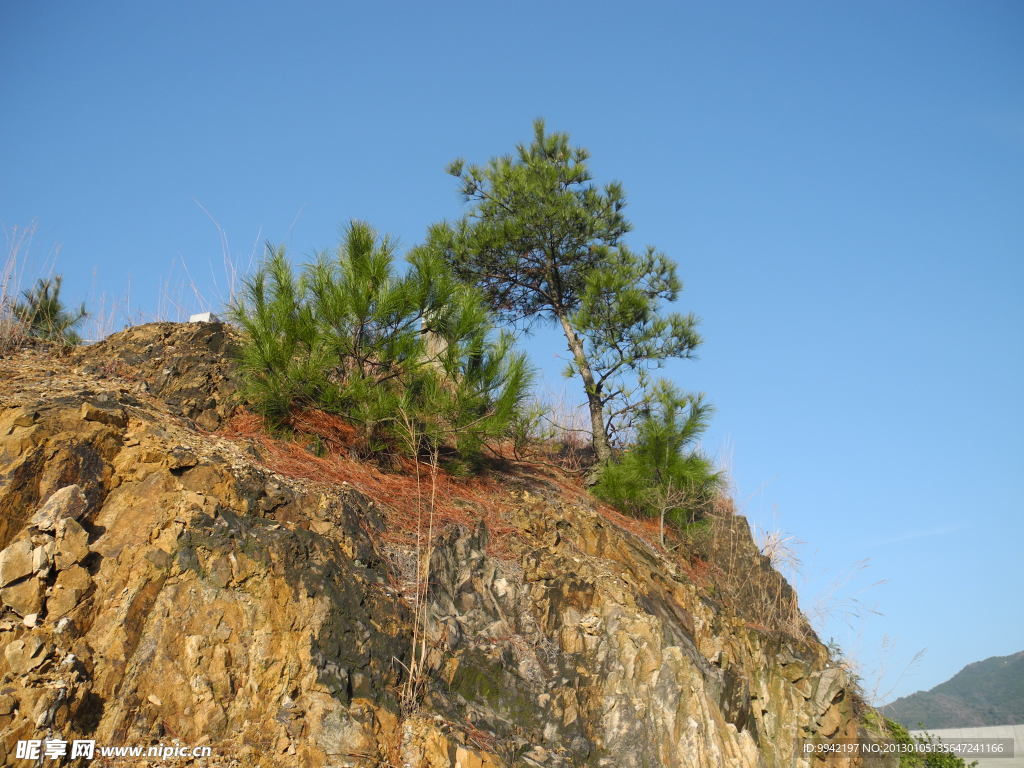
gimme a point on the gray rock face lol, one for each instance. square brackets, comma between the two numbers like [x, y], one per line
[610, 657]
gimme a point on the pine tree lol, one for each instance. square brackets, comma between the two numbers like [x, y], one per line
[45, 315]
[545, 243]
[413, 360]
[662, 475]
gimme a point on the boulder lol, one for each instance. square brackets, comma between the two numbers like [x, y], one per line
[71, 586]
[25, 654]
[69, 501]
[23, 598]
[15, 562]
[114, 417]
[42, 559]
[72, 543]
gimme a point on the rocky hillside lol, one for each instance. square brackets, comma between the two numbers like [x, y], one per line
[164, 582]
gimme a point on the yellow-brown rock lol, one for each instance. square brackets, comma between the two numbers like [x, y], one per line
[24, 597]
[67, 502]
[25, 654]
[16, 562]
[72, 544]
[68, 590]
[193, 595]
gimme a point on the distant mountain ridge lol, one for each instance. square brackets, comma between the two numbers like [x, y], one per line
[989, 692]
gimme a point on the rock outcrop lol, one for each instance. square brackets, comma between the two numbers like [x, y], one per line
[160, 584]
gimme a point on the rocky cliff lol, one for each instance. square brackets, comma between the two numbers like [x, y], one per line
[162, 583]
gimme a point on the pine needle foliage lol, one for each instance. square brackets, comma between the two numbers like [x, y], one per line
[45, 315]
[662, 475]
[545, 243]
[411, 360]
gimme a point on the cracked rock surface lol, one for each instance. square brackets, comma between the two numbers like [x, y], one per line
[159, 584]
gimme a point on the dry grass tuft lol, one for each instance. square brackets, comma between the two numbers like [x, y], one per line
[560, 436]
[781, 551]
[13, 333]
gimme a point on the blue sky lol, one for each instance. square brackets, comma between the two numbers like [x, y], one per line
[841, 184]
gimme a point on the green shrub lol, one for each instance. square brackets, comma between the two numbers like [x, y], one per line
[937, 759]
[661, 475]
[412, 361]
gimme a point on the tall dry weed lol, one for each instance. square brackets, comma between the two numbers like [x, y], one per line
[560, 433]
[18, 241]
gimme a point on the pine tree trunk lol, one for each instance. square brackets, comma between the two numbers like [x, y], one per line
[602, 447]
